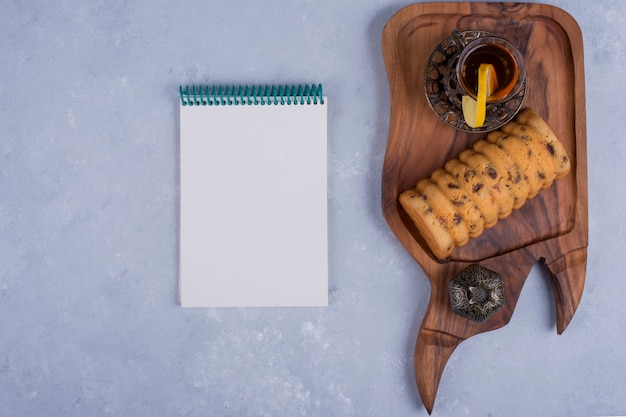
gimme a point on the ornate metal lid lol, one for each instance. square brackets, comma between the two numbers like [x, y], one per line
[476, 293]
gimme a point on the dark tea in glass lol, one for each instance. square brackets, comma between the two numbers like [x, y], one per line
[507, 63]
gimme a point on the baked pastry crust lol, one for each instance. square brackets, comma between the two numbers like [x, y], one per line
[486, 183]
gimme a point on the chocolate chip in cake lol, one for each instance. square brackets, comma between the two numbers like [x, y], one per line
[470, 173]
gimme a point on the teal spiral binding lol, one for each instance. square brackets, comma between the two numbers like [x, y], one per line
[251, 95]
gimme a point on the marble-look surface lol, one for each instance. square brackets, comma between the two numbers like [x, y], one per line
[89, 320]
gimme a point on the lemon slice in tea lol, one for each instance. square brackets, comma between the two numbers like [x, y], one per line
[475, 111]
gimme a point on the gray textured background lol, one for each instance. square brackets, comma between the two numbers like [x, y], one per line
[89, 321]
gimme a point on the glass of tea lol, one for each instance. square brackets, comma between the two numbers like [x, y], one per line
[507, 62]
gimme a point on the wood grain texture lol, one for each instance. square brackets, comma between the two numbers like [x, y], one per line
[552, 227]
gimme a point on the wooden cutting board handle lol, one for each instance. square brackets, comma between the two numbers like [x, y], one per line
[442, 330]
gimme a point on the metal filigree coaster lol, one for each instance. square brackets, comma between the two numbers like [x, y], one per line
[444, 94]
[476, 293]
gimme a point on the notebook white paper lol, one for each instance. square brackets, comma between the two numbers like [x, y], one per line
[253, 199]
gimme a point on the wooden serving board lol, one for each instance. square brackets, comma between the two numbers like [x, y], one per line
[551, 227]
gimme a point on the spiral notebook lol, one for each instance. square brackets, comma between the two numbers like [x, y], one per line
[253, 196]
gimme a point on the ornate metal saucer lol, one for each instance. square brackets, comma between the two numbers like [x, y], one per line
[444, 94]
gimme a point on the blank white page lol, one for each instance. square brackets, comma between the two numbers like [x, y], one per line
[253, 205]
